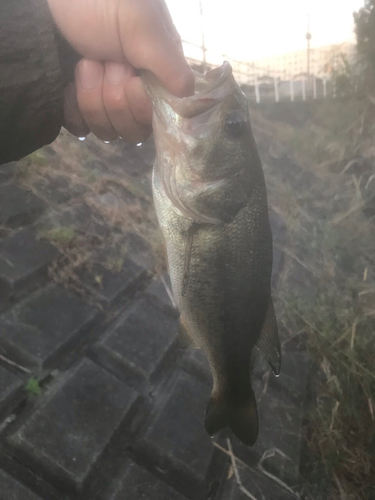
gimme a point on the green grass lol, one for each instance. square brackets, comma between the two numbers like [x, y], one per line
[32, 387]
[61, 235]
[33, 161]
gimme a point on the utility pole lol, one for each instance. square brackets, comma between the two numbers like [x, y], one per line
[291, 89]
[276, 87]
[308, 38]
[203, 42]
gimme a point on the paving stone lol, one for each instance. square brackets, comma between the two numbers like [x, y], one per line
[49, 151]
[258, 485]
[195, 362]
[142, 339]
[280, 425]
[18, 207]
[125, 246]
[140, 251]
[295, 364]
[279, 236]
[279, 441]
[136, 159]
[111, 286]
[98, 167]
[114, 197]
[177, 435]
[11, 489]
[139, 484]
[303, 283]
[295, 367]
[10, 387]
[7, 171]
[74, 424]
[44, 326]
[24, 262]
[79, 216]
[55, 189]
[158, 292]
[128, 161]
[147, 152]
[282, 466]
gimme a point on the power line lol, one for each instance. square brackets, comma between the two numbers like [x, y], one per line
[203, 43]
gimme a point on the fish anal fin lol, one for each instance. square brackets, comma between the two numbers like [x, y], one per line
[184, 339]
[240, 416]
[269, 342]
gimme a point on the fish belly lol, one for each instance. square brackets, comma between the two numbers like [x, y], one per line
[226, 298]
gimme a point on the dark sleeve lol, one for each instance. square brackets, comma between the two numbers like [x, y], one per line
[35, 65]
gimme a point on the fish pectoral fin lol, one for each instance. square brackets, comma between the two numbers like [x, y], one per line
[184, 340]
[240, 416]
[269, 342]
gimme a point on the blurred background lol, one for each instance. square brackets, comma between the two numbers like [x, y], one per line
[253, 31]
[296, 46]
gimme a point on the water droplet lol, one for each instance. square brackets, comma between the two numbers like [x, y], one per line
[139, 144]
[81, 138]
[106, 142]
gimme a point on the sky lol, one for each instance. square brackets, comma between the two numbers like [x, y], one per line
[252, 29]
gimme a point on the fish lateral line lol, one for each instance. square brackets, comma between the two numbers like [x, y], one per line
[189, 246]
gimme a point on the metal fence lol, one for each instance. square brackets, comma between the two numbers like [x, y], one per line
[263, 84]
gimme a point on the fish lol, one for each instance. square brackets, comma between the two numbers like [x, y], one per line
[211, 203]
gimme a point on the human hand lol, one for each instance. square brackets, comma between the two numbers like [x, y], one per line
[116, 38]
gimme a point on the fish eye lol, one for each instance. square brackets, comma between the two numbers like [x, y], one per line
[234, 124]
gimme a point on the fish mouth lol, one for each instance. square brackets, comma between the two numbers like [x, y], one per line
[210, 90]
[176, 120]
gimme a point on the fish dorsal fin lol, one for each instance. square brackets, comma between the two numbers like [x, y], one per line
[269, 342]
[184, 340]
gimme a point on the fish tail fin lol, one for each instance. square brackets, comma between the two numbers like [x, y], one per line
[240, 416]
[244, 420]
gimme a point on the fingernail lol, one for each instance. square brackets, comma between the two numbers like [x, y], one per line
[90, 74]
[115, 73]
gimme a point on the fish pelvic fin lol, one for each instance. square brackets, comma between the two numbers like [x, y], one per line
[240, 416]
[269, 342]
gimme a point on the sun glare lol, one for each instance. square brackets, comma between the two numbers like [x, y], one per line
[253, 29]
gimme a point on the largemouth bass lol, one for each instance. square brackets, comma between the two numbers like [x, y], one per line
[211, 203]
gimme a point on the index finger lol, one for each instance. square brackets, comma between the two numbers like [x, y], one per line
[147, 44]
